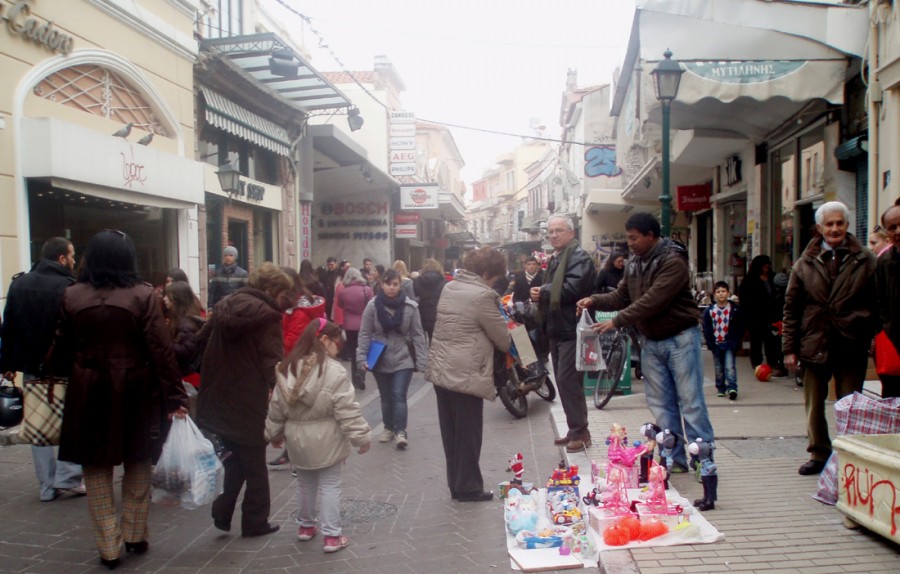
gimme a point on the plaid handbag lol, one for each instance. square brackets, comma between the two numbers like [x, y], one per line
[45, 397]
[44, 400]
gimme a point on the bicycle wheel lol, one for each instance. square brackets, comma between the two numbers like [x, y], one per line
[546, 391]
[515, 403]
[608, 379]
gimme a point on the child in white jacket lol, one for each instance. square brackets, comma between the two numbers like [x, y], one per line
[313, 409]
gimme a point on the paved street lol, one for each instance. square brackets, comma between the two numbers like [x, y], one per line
[401, 519]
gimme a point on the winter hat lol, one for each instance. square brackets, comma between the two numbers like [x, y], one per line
[780, 280]
[230, 250]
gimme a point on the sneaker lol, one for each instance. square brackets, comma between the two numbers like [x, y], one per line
[720, 394]
[401, 440]
[79, 490]
[305, 533]
[386, 436]
[732, 394]
[678, 469]
[335, 543]
[281, 462]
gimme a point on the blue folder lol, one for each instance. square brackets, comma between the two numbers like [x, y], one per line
[376, 348]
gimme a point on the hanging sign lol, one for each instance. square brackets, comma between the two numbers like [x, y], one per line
[693, 197]
[406, 230]
[419, 196]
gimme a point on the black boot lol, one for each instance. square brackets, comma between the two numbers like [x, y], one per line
[710, 486]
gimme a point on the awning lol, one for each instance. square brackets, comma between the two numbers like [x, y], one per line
[235, 119]
[308, 90]
[340, 164]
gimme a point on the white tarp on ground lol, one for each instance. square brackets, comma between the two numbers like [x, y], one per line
[702, 532]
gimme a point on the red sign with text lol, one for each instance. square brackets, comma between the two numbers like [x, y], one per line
[693, 197]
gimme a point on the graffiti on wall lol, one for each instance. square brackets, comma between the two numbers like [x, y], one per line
[601, 160]
[861, 485]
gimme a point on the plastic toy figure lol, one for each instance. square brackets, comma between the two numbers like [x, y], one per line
[615, 499]
[656, 493]
[708, 476]
[666, 442]
[517, 468]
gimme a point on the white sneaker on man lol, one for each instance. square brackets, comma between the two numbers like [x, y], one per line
[401, 440]
[386, 436]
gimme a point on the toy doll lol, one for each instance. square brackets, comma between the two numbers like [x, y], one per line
[703, 451]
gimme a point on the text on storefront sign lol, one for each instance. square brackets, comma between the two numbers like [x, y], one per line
[20, 22]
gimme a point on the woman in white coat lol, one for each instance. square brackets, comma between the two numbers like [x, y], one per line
[468, 331]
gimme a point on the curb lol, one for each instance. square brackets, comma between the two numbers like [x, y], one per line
[9, 436]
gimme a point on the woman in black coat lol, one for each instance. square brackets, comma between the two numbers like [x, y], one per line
[758, 298]
[124, 378]
[611, 274]
[428, 287]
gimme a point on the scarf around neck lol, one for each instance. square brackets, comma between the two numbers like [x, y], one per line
[388, 321]
[559, 276]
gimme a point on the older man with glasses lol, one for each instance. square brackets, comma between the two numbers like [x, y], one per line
[570, 276]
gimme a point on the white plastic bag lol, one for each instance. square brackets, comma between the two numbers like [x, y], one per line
[587, 350]
[188, 473]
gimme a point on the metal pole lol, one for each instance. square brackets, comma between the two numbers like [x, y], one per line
[665, 198]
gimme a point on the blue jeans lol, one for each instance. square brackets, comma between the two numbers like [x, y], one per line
[673, 383]
[393, 388]
[726, 374]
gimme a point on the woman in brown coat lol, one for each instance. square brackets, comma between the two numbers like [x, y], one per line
[244, 343]
[123, 380]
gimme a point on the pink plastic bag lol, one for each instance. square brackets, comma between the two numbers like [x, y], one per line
[857, 414]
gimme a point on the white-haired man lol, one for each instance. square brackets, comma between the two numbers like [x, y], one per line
[829, 320]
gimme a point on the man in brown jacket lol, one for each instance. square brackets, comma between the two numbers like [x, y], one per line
[829, 321]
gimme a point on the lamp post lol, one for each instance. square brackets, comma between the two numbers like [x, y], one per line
[229, 178]
[666, 77]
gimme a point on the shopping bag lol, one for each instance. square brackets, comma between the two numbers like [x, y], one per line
[43, 413]
[188, 473]
[587, 345]
[523, 344]
[857, 414]
[887, 360]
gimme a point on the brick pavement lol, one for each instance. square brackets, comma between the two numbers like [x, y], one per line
[765, 509]
[401, 520]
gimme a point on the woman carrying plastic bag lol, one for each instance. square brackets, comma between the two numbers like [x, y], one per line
[188, 474]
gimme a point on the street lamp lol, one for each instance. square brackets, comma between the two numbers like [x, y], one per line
[666, 77]
[229, 178]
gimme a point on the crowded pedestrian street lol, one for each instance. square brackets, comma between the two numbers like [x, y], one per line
[398, 513]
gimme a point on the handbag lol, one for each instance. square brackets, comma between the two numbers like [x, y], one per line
[887, 360]
[45, 398]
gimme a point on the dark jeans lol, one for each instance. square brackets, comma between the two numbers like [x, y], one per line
[570, 383]
[393, 388]
[461, 418]
[246, 464]
[761, 338]
[349, 354]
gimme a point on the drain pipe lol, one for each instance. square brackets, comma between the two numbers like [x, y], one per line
[874, 98]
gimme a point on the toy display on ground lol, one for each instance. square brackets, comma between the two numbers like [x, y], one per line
[570, 521]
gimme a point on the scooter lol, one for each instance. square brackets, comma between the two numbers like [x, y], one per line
[513, 380]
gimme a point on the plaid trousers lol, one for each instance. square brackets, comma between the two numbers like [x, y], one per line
[108, 533]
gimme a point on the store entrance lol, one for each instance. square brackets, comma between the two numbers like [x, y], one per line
[55, 212]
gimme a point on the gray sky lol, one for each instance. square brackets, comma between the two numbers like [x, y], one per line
[490, 64]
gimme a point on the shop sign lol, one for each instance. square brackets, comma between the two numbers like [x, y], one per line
[403, 169]
[418, 197]
[305, 230]
[403, 156]
[19, 22]
[353, 220]
[401, 117]
[249, 191]
[403, 143]
[442, 243]
[743, 72]
[693, 197]
[403, 130]
[406, 230]
[407, 218]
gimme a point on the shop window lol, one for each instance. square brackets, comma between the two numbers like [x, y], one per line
[263, 235]
[55, 212]
[218, 147]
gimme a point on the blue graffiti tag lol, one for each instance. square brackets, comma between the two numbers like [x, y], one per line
[601, 160]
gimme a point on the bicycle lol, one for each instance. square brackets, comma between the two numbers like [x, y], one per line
[615, 354]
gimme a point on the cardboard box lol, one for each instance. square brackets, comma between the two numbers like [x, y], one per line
[869, 478]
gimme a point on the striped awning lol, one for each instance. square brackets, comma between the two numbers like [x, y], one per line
[235, 119]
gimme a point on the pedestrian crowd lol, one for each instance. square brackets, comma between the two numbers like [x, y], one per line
[262, 363]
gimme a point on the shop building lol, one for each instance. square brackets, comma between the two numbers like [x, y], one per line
[769, 95]
[97, 130]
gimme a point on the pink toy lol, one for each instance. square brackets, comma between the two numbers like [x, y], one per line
[656, 489]
[615, 499]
